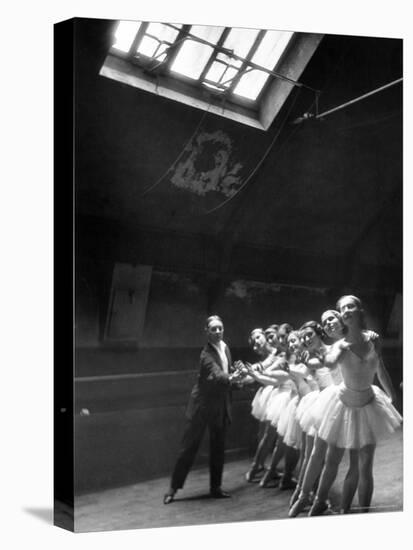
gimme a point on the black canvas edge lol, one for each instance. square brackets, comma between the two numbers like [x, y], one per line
[63, 355]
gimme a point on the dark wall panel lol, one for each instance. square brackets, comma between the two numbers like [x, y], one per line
[127, 445]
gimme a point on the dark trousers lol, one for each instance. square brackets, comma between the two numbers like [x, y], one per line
[194, 432]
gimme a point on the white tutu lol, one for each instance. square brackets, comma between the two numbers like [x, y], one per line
[303, 414]
[285, 414]
[277, 403]
[352, 419]
[259, 403]
[288, 425]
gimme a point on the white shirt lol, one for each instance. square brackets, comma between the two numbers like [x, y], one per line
[220, 347]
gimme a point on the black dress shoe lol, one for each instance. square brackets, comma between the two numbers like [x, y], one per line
[168, 497]
[219, 493]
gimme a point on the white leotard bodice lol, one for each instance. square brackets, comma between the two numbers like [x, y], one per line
[358, 372]
[323, 377]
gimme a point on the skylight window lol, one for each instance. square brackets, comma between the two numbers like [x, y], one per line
[157, 39]
[267, 55]
[125, 34]
[240, 40]
[243, 74]
[271, 48]
[194, 55]
[215, 56]
[251, 84]
[226, 67]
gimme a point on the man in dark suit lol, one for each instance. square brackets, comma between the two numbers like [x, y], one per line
[209, 406]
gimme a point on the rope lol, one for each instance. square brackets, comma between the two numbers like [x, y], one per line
[226, 201]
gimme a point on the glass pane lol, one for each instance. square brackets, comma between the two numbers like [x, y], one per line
[210, 34]
[193, 55]
[163, 32]
[251, 84]
[124, 34]
[215, 71]
[148, 46]
[192, 58]
[271, 48]
[241, 40]
[227, 77]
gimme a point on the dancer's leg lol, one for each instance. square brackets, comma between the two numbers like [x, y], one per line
[265, 446]
[328, 475]
[314, 465]
[366, 482]
[350, 482]
[302, 466]
[312, 471]
[291, 460]
[277, 455]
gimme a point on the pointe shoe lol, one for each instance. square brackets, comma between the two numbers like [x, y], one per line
[318, 508]
[169, 497]
[295, 495]
[219, 493]
[253, 473]
[270, 479]
[299, 506]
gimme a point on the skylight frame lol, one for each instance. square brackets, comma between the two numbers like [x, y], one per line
[156, 77]
[136, 57]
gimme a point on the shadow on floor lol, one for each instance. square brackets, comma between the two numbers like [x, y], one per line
[44, 514]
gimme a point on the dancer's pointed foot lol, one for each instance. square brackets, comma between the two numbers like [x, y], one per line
[318, 508]
[299, 506]
[295, 495]
[253, 475]
[270, 479]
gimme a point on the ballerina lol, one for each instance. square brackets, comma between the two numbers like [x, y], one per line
[271, 334]
[318, 378]
[355, 414]
[289, 431]
[282, 336]
[334, 328]
[267, 433]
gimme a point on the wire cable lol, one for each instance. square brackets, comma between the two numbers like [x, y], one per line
[253, 172]
[355, 100]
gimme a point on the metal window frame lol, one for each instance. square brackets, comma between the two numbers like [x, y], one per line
[156, 77]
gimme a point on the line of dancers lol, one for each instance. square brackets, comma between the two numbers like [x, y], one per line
[316, 399]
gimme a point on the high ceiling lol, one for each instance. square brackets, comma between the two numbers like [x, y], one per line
[327, 190]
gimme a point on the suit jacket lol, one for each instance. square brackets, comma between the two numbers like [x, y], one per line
[211, 393]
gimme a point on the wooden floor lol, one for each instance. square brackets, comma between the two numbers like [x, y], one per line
[140, 505]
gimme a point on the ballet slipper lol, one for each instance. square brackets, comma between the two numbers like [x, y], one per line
[270, 480]
[295, 495]
[251, 475]
[299, 506]
[318, 508]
